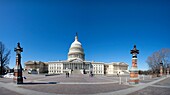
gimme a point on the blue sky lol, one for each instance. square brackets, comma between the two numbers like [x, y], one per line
[107, 29]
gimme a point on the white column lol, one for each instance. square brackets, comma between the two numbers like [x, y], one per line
[73, 65]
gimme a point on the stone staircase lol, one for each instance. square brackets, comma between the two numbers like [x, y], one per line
[76, 72]
[126, 72]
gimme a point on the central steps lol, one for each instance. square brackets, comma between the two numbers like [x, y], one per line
[76, 72]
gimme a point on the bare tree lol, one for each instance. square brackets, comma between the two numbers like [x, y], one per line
[4, 57]
[154, 60]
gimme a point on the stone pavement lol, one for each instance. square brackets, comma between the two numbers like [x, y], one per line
[100, 87]
[77, 88]
[165, 82]
[159, 88]
[134, 89]
[4, 91]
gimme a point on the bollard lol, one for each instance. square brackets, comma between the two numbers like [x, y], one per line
[119, 80]
[126, 80]
[143, 77]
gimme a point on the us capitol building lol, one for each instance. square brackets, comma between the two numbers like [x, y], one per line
[76, 64]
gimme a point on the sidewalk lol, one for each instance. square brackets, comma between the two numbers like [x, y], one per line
[133, 89]
[15, 88]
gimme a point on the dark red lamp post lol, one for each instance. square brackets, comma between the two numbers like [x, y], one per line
[18, 68]
[134, 69]
[161, 68]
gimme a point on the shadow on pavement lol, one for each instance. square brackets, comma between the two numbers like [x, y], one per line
[34, 83]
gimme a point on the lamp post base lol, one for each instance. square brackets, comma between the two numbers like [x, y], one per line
[133, 82]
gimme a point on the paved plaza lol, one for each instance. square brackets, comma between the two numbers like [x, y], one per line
[83, 84]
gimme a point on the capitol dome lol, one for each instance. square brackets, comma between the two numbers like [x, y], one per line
[76, 51]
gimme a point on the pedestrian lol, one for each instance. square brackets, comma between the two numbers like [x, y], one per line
[117, 75]
[91, 74]
[68, 75]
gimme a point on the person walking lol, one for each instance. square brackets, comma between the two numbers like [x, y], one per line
[117, 75]
[66, 74]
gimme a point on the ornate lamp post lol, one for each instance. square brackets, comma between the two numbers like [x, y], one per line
[18, 68]
[134, 70]
[161, 68]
